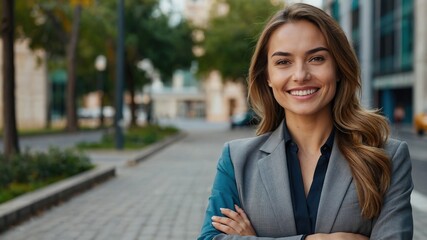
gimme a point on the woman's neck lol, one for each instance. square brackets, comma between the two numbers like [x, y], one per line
[309, 132]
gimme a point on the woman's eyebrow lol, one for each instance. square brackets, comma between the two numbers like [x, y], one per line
[311, 51]
[315, 50]
[279, 53]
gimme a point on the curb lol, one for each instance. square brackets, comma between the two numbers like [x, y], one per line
[152, 149]
[27, 205]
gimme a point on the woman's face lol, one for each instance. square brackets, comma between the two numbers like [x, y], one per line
[301, 70]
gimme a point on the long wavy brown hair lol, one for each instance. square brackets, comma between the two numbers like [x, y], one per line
[361, 134]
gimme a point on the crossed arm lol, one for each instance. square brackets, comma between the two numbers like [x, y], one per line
[237, 223]
[226, 220]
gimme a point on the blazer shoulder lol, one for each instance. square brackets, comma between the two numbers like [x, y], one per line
[394, 146]
[243, 144]
[240, 149]
[398, 152]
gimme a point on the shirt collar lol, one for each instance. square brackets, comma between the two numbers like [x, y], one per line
[286, 135]
[327, 146]
[329, 142]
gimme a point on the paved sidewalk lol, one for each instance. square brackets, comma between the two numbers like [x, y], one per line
[420, 224]
[163, 197]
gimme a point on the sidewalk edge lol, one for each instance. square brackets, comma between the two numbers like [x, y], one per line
[150, 150]
[21, 208]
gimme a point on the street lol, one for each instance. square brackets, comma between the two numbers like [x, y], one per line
[165, 196]
[418, 150]
[59, 140]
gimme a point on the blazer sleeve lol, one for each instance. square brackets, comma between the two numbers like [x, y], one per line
[395, 220]
[224, 195]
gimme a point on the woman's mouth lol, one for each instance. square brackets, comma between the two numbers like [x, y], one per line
[304, 92]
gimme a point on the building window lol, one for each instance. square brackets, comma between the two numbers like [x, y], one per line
[355, 25]
[393, 36]
[387, 7]
[385, 53]
[407, 36]
[335, 10]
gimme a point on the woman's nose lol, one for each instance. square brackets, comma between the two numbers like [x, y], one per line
[301, 73]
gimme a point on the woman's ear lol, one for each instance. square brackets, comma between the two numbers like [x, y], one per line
[269, 83]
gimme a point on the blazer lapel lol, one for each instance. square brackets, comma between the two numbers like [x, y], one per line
[337, 181]
[274, 175]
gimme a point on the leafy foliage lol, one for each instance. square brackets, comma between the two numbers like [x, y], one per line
[149, 34]
[230, 39]
[46, 23]
[29, 171]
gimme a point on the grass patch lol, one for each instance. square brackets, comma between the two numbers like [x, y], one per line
[134, 137]
[30, 171]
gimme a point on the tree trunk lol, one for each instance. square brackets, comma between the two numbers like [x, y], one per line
[101, 98]
[72, 124]
[131, 87]
[10, 134]
[49, 104]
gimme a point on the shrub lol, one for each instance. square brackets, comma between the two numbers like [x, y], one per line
[28, 171]
[134, 137]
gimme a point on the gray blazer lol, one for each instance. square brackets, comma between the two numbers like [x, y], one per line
[263, 186]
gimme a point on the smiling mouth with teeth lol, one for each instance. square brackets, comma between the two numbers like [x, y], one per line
[303, 92]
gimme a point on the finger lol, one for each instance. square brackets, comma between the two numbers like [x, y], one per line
[231, 214]
[227, 222]
[243, 215]
[223, 228]
[224, 220]
[241, 212]
[242, 228]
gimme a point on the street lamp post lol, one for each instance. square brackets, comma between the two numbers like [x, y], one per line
[100, 65]
[118, 118]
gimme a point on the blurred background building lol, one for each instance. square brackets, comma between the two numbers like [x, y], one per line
[212, 97]
[184, 99]
[32, 92]
[390, 40]
[222, 98]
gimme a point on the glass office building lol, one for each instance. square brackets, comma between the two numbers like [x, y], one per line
[384, 36]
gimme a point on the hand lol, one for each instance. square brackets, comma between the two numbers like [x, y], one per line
[235, 223]
[336, 236]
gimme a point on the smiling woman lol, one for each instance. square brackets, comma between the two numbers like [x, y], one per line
[322, 167]
[302, 73]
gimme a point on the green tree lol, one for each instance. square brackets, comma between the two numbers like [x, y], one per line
[53, 25]
[230, 38]
[10, 135]
[71, 55]
[150, 35]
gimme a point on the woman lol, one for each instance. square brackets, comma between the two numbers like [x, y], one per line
[321, 167]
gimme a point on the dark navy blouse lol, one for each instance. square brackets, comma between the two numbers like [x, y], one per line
[305, 208]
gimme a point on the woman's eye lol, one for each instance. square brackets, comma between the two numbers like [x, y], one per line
[282, 62]
[317, 59]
